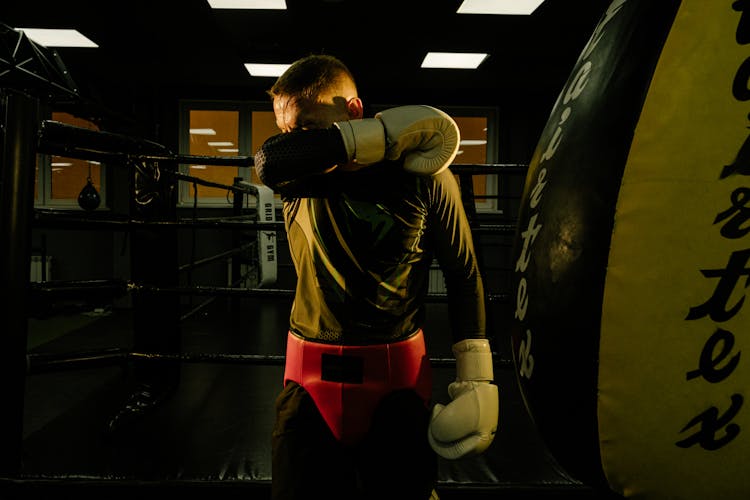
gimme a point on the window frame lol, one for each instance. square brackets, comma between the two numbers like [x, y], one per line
[43, 178]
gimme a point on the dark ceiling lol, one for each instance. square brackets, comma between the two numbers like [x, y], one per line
[184, 49]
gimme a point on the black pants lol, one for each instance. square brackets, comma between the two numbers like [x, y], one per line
[394, 461]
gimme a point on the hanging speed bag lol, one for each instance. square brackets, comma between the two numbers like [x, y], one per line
[631, 336]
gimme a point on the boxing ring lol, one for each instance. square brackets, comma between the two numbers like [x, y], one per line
[221, 357]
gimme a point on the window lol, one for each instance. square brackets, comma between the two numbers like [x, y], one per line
[478, 146]
[59, 180]
[214, 128]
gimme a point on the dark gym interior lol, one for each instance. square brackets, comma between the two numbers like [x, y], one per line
[72, 343]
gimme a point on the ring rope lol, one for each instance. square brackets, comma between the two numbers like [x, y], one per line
[46, 362]
[119, 287]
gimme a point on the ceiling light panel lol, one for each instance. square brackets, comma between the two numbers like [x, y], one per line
[499, 7]
[58, 37]
[453, 60]
[248, 4]
[262, 69]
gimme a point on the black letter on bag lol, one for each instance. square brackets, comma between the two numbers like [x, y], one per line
[715, 306]
[739, 85]
[710, 424]
[707, 364]
[738, 215]
[741, 164]
[743, 27]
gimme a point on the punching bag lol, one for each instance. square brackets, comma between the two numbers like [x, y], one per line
[631, 330]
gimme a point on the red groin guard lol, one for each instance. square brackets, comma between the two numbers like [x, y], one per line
[348, 381]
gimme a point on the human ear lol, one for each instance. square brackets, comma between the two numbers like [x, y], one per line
[355, 108]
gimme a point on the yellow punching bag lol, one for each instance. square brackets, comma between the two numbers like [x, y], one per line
[631, 337]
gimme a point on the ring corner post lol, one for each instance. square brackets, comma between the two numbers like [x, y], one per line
[19, 115]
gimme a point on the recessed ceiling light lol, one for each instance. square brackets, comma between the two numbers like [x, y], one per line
[260, 69]
[248, 4]
[454, 60]
[58, 37]
[502, 7]
[228, 150]
[220, 143]
[472, 142]
[202, 131]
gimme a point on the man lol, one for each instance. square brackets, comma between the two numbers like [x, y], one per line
[368, 204]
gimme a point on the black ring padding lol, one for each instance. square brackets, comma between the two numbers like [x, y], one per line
[489, 168]
[76, 142]
[68, 140]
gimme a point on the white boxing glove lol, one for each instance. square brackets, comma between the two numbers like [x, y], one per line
[467, 425]
[428, 137]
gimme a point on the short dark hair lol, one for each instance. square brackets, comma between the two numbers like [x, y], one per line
[309, 76]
